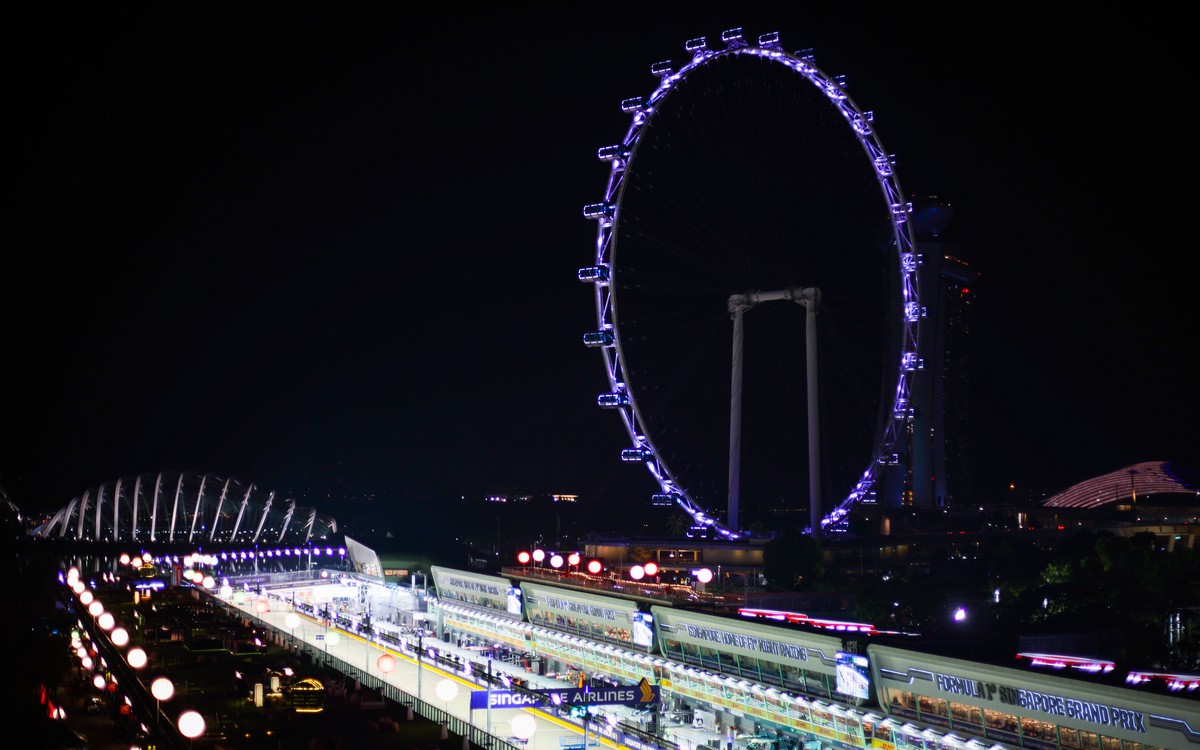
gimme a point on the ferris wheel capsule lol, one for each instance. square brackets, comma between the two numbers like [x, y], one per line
[612, 400]
[732, 36]
[613, 153]
[599, 211]
[636, 455]
[663, 68]
[598, 338]
[769, 40]
[594, 273]
[633, 104]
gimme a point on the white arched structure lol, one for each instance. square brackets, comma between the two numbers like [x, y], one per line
[198, 510]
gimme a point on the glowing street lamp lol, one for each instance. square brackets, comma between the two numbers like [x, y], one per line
[162, 689]
[191, 724]
[386, 663]
[292, 621]
[119, 637]
[136, 657]
[523, 726]
[447, 690]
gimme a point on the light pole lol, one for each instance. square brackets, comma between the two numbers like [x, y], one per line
[292, 620]
[420, 636]
[162, 689]
[191, 725]
[447, 689]
[489, 702]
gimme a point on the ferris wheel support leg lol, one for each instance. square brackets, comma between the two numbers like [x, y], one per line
[735, 421]
[814, 443]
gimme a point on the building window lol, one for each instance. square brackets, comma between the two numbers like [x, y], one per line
[793, 677]
[966, 717]
[1068, 738]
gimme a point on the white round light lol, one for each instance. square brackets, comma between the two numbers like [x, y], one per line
[523, 726]
[556, 561]
[386, 663]
[704, 575]
[86, 598]
[86, 662]
[95, 608]
[119, 636]
[124, 558]
[136, 658]
[191, 724]
[539, 555]
[447, 690]
[162, 689]
[332, 638]
[98, 681]
[106, 621]
[208, 582]
[637, 572]
[292, 620]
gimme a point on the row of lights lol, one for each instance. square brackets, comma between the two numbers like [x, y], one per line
[127, 559]
[556, 560]
[595, 567]
[190, 723]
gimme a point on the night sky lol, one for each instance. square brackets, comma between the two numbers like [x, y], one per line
[336, 251]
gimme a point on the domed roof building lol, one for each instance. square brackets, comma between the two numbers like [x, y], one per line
[185, 507]
[1131, 483]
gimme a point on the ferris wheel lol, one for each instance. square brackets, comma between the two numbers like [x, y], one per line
[756, 289]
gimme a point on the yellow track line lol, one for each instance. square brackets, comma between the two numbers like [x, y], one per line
[425, 665]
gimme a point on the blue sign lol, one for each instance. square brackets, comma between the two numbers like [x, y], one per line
[640, 695]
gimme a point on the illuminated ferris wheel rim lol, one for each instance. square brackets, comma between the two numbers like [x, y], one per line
[606, 336]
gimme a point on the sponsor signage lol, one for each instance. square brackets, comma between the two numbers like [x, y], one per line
[1047, 703]
[640, 695]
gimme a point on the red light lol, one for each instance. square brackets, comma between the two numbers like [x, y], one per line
[965, 290]
[651, 568]
[523, 557]
[594, 567]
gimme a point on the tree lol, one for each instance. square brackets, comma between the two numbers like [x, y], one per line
[794, 561]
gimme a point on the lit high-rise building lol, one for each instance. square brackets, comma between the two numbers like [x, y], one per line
[940, 469]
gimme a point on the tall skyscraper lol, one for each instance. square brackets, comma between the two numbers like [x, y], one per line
[940, 469]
